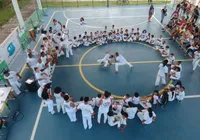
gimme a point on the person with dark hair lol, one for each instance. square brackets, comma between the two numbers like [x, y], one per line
[104, 105]
[131, 110]
[127, 98]
[12, 79]
[106, 60]
[31, 61]
[151, 13]
[163, 100]
[111, 119]
[175, 74]
[180, 94]
[162, 73]
[154, 98]
[57, 26]
[46, 96]
[123, 121]
[70, 108]
[196, 59]
[163, 13]
[59, 99]
[67, 45]
[171, 94]
[87, 113]
[147, 116]
[136, 98]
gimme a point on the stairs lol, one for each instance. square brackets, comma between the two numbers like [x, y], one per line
[6, 29]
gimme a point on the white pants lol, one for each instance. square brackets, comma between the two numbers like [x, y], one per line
[158, 79]
[16, 86]
[121, 64]
[87, 122]
[72, 116]
[59, 106]
[69, 51]
[103, 61]
[195, 63]
[99, 116]
[49, 103]
[115, 123]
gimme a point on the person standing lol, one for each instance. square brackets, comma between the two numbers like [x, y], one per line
[162, 73]
[59, 99]
[11, 78]
[104, 105]
[151, 12]
[163, 13]
[87, 113]
[196, 59]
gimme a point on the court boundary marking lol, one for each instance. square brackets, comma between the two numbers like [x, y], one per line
[99, 90]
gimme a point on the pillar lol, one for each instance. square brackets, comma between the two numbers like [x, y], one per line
[18, 13]
[39, 4]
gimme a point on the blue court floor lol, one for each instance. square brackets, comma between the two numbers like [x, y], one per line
[82, 76]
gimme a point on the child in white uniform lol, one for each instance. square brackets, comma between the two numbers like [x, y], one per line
[120, 61]
[104, 105]
[136, 98]
[111, 119]
[59, 99]
[131, 110]
[180, 94]
[87, 113]
[106, 60]
[162, 72]
[171, 59]
[165, 52]
[46, 96]
[155, 97]
[70, 108]
[175, 74]
[147, 116]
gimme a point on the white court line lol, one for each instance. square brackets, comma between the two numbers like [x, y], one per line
[88, 10]
[111, 17]
[186, 97]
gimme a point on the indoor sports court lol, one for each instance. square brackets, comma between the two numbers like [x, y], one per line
[81, 75]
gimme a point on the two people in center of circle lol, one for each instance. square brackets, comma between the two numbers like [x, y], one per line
[119, 59]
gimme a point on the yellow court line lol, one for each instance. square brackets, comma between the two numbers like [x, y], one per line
[36, 45]
[136, 62]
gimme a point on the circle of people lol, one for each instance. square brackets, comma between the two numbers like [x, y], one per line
[56, 41]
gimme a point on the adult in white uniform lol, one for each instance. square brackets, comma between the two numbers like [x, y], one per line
[31, 61]
[162, 73]
[87, 113]
[39, 76]
[12, 80]
[70, 108]
[147, 116]
[196, 59]
[120, 61]
[67, 45]
[57, 26]
[180, 94]
[104, 105]
[106, 60]
[59, 99]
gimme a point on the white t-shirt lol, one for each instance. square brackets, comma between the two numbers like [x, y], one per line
[32, 61]
[136, 100]
[12, 78]
[68, 107]
[57, 27]
[170, 98]
[181, 95]
[131, 112]
[196, 55]
[120, 59]
[40, 66]
[111, 120]
[127, 100]
[86, 109]
[155, 99]
[106, 57]
[104, 107]
[59, 98]
[40, 90]
[162, 70]
[97, 101]
[147, 119]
